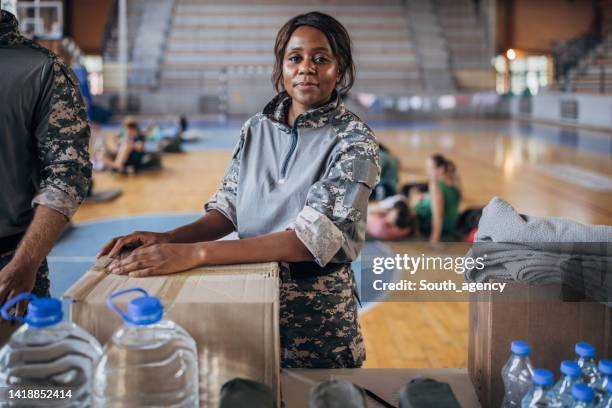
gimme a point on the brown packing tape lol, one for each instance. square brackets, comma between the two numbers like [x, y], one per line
[90, 281]
[83, 287]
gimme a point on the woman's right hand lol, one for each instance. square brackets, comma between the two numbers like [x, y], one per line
[132, 241]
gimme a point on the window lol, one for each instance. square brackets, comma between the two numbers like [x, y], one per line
[41, 19]
[523, 74]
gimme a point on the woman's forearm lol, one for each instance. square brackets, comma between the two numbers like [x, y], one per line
[276, 247]
[212, 226]
[437, 212]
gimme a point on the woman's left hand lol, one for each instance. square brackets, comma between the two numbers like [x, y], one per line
[159, 259]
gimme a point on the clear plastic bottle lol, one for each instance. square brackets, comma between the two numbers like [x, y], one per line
[586, 360]
[539, 393]
[606, 402]
[47, 354]
[583, 396]
[605, 377]
[148, 361]
[517, 374]
[561, 393]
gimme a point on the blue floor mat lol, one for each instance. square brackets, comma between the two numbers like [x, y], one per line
[218, 135]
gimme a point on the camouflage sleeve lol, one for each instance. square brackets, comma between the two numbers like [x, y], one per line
[62, 137]
[224, 199]
[332, 223]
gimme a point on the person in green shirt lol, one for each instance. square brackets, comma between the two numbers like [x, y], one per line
[389, 174]
[437, 211]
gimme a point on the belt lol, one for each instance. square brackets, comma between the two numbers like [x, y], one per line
[10, 243]
[301, 270]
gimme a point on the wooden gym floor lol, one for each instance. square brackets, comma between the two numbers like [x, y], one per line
[401, 334]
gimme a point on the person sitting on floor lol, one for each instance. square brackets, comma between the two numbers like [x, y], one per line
[130, 153]
[437, 211]
[173, 144]
[388, 224]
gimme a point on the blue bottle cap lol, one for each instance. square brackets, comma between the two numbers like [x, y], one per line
[570, 368]
[520, 348]
[605, 367]
[145, 310]
[542, 376]
[585, 349]
[582, 393]
[44, 312]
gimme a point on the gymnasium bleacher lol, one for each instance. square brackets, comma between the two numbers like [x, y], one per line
[593, 74]
[223, 51]
[463, 29]
[206, 41]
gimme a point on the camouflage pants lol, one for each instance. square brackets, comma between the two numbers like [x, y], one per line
[318, 321]
[41, 285]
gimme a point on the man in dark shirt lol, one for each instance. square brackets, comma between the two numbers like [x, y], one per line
[44, 160]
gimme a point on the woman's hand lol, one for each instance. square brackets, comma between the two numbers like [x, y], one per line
[159, 259]
[134, 240]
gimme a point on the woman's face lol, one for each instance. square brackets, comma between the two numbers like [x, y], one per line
[310, 70]
[431, 169]
[391, 216]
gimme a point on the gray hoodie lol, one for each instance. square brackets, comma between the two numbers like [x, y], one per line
[314, 178]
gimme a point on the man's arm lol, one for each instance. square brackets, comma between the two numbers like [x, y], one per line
[61, 134]
[62, 141]
[19, 275]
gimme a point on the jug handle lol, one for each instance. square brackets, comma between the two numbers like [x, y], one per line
[112, 306]
[8, 305]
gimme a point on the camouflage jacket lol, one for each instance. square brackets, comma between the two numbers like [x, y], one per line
[314, 178]
[44, 134]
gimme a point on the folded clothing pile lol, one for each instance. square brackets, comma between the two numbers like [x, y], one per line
[542, 250]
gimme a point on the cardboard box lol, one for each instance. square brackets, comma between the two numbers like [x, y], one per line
[232, 313]
[537, 315]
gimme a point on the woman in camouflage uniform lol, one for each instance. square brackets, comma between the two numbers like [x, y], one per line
[296, 192]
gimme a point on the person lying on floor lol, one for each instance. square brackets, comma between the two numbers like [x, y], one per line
[387, 224]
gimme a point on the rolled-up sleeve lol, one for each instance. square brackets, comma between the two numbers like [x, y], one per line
[332, 223]
[224, 199]
[62, 138]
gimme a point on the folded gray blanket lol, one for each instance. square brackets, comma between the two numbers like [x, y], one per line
[500, 222]
[542, 250]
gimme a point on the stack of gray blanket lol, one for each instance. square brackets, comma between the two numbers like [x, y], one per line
[540, 250]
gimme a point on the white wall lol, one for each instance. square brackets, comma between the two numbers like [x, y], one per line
[593, 110]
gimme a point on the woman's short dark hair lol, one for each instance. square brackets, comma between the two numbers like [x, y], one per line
[338, 38]
[439, 160]
[403, 219]
[446, 164]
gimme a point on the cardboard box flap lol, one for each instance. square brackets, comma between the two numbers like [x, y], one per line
[211, 284]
